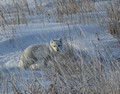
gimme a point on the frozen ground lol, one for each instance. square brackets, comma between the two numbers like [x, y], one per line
[35, 33]
[10, 50]
[85, 38]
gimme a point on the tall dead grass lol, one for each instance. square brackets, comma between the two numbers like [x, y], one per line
[73, 72]
[112, 20]
[19, 12]
[71, 10]
[65, 11]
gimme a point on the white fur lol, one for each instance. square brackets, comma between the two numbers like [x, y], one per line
[41, 53]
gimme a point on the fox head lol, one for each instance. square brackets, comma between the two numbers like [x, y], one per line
[56, 45]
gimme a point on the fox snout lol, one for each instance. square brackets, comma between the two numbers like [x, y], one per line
[56, 45]
[57, 49]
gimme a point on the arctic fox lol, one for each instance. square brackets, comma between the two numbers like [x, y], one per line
[40, 53]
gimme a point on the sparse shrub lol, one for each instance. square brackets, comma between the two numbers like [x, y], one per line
[74, 76]
[112, 21]
[113, 12]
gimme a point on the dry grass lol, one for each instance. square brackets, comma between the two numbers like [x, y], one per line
[83, 74]
[80, 11]
[73, 73]
[112, 21]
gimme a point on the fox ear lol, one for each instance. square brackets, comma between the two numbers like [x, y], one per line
[52, 41]
[60, 39]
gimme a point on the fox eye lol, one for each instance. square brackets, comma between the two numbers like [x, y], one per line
[54, 46]
[58, 45]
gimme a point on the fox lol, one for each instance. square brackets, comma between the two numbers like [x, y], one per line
[40, 53]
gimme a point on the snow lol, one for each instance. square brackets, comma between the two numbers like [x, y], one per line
[36, 32]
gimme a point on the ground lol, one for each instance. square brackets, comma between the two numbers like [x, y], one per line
[86, 37]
